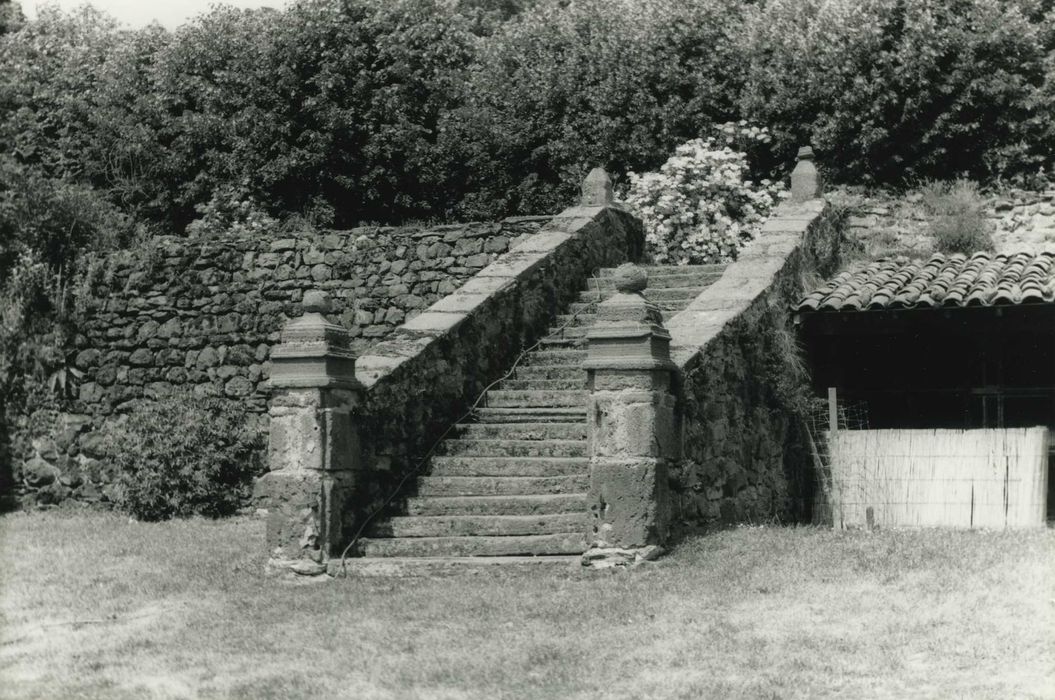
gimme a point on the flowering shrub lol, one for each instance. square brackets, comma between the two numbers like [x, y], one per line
[230, 212]
[700, 207]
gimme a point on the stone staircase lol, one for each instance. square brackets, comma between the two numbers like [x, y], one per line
[513, 483]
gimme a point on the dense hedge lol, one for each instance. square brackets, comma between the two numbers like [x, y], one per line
[343, 111]
[895, 89]
[564, 87]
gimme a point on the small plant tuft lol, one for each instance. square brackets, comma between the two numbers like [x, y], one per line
[188, 455]
[958, 219]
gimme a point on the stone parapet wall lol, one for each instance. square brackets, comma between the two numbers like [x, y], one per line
[425, 375]
[740, 440]
[891, 224]
[201, 315]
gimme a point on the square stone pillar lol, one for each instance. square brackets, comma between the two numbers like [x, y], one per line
[313, 446]
[632, 438]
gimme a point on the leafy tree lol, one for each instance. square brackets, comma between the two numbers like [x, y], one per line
[329, 108]
[69, 89]
[889, 89]
[11, 17]
[566, 86]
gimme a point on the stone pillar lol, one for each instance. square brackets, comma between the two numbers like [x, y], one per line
[597, 189]
[632, 426]
[313, 447]
[805, 180]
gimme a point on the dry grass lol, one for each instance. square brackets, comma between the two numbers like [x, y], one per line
[94, 606]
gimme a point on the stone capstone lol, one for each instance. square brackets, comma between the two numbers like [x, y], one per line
[597, 189]
[805, 180]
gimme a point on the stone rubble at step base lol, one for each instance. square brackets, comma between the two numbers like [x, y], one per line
[603, 557]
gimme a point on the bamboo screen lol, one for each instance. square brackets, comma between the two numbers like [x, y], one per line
[993, 478]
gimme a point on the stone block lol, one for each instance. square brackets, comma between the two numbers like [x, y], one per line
[515, 264]
[629, 502]
[141, 358]
[432, 321]
[632, 423]
[544, 242]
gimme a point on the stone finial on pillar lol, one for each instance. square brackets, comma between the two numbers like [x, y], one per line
[805, 180]
[313, 446]
[597, 189]
[631, 420]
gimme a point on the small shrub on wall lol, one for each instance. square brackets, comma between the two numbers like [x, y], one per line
[701, 207]
[187, 455]
[959, 223]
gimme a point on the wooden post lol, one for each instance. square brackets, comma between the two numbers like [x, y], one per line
[833, 410]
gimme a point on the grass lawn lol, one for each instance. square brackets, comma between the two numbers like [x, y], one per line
[92, 605]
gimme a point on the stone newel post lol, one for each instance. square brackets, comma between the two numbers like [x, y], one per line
[313, 447]
[597, 189]
[805, 180]
[632, 430]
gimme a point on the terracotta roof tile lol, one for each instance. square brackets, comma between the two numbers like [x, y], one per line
[983, 279]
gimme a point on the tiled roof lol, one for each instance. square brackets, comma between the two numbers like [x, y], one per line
[983, 279]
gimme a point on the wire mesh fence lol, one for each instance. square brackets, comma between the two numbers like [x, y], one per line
[986, 478]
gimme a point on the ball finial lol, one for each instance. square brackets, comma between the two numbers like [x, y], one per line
[630, 279]
[316, 302]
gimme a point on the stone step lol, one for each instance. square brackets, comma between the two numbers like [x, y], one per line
[481, 486]
[569, 342]
[395, 567]
[539, 399]
[571, 458]
[569, 332]
[571, 414]
[663, 270]
[554, 357]
[666, 294]
[576, 320]
[661, 281]
[479, 525]
[534, 504]
[667, 306]
[520, 431]
[530, 371]
[575, 384]
[560, 543]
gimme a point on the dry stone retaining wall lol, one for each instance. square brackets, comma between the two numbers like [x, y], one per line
[202, 315]
[742, 457]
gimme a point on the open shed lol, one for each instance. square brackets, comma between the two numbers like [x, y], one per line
[953, 342]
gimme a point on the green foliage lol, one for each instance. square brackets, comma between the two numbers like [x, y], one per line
[891, 89]
[567, 86]
[958, 217]
[70, 95]
[54, 219]
[185, 456]
[341, 111]
[328, 104]
[11, 17]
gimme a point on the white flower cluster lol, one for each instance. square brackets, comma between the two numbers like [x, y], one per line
[232, 213]
[699, 208]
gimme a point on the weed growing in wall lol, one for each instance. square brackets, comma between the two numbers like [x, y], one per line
[959, 223]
